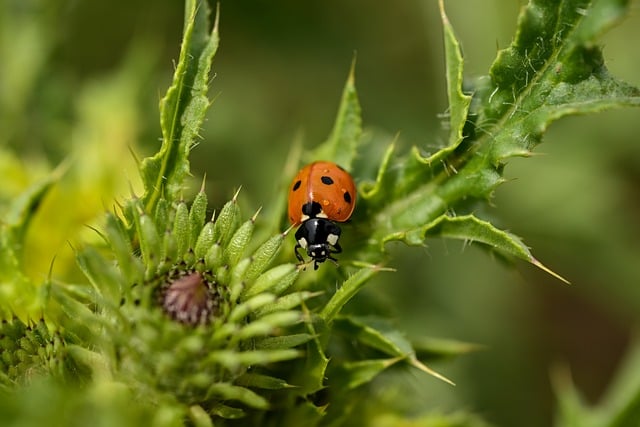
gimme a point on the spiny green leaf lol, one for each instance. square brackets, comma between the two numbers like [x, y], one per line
[263, 256]
[121, 247]
[287, 302]
[351, 375]
[458, 101]
[472, 229]
[552, 69]
[378, 333]
[181, 227]
[347, 130]
[348, 290]
[205, 240]
[239, 241]
[105, 281]
[227, 221]
[275, 280]
[311, 375]
[197, 215]
[182, 109]
[438, 348]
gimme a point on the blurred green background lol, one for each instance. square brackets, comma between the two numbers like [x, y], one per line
[80, 83]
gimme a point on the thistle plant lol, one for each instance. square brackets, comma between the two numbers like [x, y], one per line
[191, 314]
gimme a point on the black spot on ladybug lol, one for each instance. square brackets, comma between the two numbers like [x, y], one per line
[326, 180]
[296, 185]
[347, 197]
[311, 209]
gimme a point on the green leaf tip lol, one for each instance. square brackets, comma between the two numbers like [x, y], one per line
[346, 135]
[458, 102]
[424, 368]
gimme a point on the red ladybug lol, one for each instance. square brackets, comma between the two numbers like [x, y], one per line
[321, 194]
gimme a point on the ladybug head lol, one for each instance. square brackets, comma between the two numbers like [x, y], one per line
[319, 237]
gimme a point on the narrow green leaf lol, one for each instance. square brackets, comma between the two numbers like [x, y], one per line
[263, 256]
[226, 391]
[234, 360]
[197, 215]
[351, 375]
[104, 280]
[283, 342]
[199, 417]
[345, 137]
[122, 249]
[181, 228]
[348, 290]
[458, 101]
[228, 412]
[238, 242]
[149, 241]
[205, 240]
[182, 109]
[227, 221]
[378, 333]
[275, 280]
[472, 229]
[267, 325]
[429, 348]
[311, 375]
[267, 382]
[249, 306]
[287, 302]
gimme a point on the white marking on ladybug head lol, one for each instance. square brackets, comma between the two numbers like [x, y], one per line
[322, 215]
[304, 217]
[332, 239]
[303, 243]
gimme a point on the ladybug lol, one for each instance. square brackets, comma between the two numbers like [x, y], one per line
[321, 194]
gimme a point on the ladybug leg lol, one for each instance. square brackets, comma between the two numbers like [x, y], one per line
[302, 263]
[333, 260]
[336, 248]
[297, 254]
